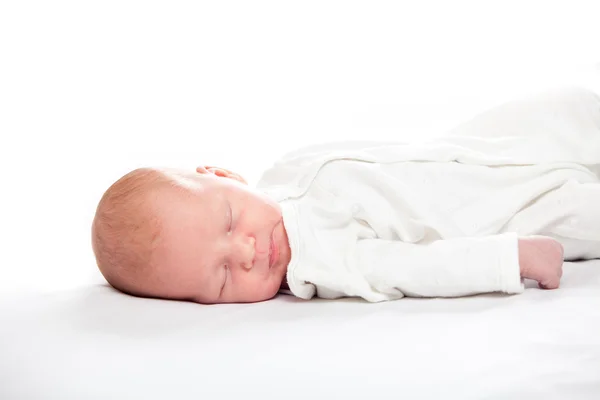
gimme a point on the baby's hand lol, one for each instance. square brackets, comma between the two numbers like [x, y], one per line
[541, 259]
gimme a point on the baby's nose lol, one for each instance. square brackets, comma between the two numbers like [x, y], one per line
[246, 252]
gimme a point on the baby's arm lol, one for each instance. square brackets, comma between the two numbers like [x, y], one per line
[461, 266]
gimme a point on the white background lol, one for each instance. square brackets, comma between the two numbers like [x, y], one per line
[91, 90]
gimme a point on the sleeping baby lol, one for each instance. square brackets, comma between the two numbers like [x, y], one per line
[504, 197]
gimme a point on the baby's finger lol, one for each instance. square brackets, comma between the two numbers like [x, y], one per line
[550, 284]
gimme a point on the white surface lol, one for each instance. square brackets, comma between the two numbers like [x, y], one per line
[94, 343]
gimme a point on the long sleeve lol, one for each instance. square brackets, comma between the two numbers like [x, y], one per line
[445, 268]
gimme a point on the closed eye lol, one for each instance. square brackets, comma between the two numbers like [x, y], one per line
[224, 281]
[230, 219]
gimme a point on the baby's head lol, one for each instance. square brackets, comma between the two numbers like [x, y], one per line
[201, 236]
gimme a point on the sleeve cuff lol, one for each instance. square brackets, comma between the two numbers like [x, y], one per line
[509, 269]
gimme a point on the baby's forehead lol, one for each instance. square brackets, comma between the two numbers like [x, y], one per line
[200, 198]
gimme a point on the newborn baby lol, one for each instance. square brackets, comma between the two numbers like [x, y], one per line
[503, 197]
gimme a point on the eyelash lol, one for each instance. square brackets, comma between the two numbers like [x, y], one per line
[225, 280]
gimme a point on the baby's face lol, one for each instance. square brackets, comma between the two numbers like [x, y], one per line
[223, 243]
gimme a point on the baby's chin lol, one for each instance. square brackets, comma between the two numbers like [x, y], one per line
[270, 292]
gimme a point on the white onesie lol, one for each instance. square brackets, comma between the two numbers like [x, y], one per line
[441, 218]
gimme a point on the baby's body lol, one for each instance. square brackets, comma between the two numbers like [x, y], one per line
[497, 200]
[385, 230]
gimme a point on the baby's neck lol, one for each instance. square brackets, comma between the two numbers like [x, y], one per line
[284, 284]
